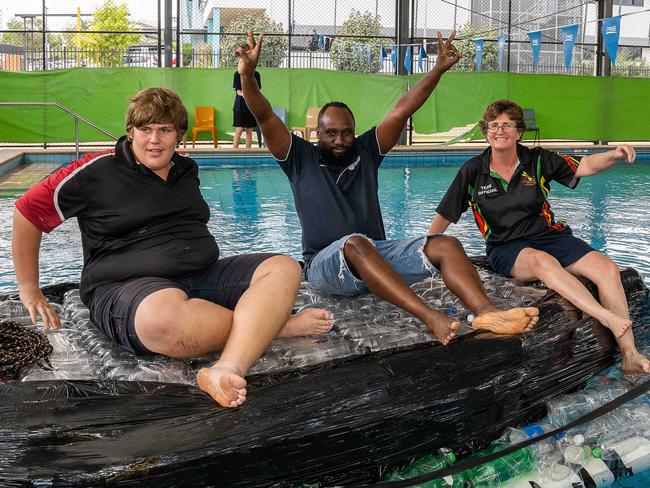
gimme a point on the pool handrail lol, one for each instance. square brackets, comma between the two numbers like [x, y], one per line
[76, 116]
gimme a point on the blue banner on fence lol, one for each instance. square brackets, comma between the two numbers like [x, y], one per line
[569, 35]
[479, 53]
[393, 58]
[501, 44]
[362, 53]
[384, 54]
[611, 29]
[536, 45]
[421, 57]
[408, 60]
[321, 42]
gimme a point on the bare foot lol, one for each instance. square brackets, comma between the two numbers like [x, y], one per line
[618, 325]
[442, 327]
[635, 362]
[225, 386]
[307, 322]
[513, 321]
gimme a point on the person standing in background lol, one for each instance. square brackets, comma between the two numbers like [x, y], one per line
[242, 118]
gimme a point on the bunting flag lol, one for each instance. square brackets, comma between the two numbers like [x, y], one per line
[408, 60]
[479, 53]
[383, 54]
[611, 30]
[421, 58]
[536, 44]
[501, 44]
[393, 58]
[321, 42]
[569, 35]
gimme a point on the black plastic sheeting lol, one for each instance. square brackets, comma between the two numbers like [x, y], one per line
[338, 422]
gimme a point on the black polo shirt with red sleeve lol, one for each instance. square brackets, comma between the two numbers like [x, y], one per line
[133, 223]
[517, 209]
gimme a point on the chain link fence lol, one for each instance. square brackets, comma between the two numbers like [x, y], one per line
[349, 35]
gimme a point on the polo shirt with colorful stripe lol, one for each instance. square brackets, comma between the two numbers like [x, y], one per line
[515, 209]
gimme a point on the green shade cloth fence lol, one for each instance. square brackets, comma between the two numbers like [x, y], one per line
[567, 107]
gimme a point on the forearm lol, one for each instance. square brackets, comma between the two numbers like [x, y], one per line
[25, 245]
[256, 101]
[413, 99]
[596, 163]
[438, 225]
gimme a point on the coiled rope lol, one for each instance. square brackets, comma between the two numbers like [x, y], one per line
[20, 346]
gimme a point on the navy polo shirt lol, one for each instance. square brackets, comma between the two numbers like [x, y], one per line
[332, 203]
[517, 209]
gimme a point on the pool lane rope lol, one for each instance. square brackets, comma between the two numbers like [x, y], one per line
[21, 346]
[472, 463]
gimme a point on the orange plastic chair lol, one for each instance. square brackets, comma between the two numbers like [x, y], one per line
[204, 122]
[311, 123]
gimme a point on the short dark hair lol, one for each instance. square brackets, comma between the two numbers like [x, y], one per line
[337, 105]
[499, 107]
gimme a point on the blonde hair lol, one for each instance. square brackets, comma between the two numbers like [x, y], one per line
[157, 105]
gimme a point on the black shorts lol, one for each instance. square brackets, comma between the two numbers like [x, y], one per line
[113, 306]
[563, 246]
[243, 119]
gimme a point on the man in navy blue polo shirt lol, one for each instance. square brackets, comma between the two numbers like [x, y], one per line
[335, 191]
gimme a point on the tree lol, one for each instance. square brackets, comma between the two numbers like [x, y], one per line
[275, 47]
[466, 46]
[111, 17]
[363, 30]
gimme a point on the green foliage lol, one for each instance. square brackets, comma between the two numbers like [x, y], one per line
[111, 17]
[30, 41]
[203, 56]
[466, 46]
[358, 24]
[187, 54]
[275, 47]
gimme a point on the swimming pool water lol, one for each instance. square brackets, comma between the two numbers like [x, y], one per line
[252, 210]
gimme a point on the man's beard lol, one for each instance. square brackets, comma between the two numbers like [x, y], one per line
[334, 161]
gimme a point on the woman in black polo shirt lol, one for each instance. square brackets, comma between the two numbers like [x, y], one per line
[507, 187]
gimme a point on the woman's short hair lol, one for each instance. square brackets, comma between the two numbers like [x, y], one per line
[157, 105]
[499, 107]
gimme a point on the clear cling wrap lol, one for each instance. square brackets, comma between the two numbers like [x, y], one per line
[345, 407]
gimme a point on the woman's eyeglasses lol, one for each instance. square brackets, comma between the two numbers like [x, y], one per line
[505, 127]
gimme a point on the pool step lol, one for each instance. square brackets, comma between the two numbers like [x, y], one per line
[24, 177]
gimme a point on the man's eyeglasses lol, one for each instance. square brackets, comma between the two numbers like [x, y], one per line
[505, 127]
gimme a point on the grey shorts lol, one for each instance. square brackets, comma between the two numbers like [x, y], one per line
[328, 272]
[113, 306]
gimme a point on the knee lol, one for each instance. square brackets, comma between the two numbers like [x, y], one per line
[357, 246]
[542, 262]
[608, 272]
[288, 267]
[159, 323]
[441, 246]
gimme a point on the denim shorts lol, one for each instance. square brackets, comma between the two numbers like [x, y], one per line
[563, 246]
[328, 272]
[113, 306]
